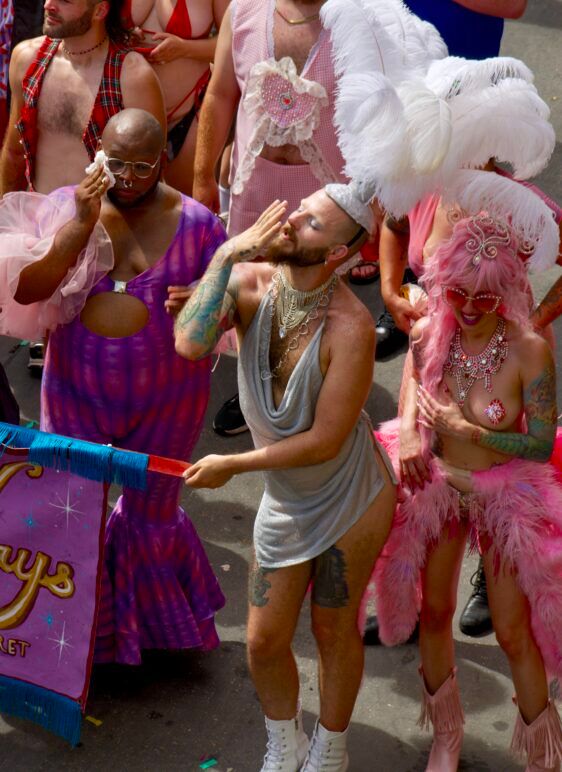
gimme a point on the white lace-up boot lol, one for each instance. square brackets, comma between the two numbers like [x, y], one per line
[327, 752]
[287, 745]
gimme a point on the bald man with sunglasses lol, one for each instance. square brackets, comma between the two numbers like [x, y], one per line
[112, 376]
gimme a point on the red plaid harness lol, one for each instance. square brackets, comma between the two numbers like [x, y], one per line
[108, 100]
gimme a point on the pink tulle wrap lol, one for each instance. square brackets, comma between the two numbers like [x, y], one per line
[519, 509]
[28, 225]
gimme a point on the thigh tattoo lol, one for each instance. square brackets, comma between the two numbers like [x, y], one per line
[259, 585]
[330, 587]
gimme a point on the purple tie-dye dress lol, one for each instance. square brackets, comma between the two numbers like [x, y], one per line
[159, 590]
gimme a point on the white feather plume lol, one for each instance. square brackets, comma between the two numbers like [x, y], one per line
[429, 125]
[398, 196]
[372, 50]
[420, 40]
[364, 101]
[455, 75]
[502, 197]
[508, 121]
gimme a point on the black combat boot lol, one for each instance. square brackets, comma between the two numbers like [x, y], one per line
[476, 619]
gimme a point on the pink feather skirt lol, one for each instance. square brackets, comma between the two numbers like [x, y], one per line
[516, 510]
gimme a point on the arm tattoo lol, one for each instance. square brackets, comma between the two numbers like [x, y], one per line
[210, 310]
[259, 585]
[330, 586]
[540, 412]
[551, 307]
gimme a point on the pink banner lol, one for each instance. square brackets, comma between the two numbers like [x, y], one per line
[51, 530]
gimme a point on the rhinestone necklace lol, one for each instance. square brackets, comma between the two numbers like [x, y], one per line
[85, 51]
[304, 328]
[469, 368]
[294, 305]
[294, 22]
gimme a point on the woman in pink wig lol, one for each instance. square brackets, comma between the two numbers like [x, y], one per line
[472, 448]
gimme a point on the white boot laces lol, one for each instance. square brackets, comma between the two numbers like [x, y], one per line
[276, 752]
[320, 757]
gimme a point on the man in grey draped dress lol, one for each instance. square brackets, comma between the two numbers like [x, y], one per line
[305, 370]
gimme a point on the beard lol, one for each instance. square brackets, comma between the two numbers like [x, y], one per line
[130, 203]
[303, 258]
[69, 29]
[282, 252]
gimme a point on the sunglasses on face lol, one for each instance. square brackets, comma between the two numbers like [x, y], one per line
[141, 169]
[482, 302]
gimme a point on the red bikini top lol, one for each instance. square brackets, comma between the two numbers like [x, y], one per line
[180, 23]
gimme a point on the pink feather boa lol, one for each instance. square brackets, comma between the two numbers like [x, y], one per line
[519, 508]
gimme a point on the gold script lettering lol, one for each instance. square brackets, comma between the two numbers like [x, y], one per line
[33, 578]
[9, 470]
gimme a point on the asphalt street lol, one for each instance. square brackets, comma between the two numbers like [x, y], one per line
[179, 709]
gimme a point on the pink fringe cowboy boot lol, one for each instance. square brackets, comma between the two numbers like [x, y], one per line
[540, 741]
[444, 710]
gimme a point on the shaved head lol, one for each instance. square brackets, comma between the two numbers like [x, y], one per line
[135, 129]
[134, 136]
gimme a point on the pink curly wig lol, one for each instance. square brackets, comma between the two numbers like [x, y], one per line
[454, 264]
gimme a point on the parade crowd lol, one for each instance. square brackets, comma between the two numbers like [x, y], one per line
[183, 178]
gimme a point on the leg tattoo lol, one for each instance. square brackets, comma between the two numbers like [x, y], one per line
[330, 587]
[259, 585]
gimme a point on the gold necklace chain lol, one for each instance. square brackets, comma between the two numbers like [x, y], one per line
[294, 22]
[85, 51]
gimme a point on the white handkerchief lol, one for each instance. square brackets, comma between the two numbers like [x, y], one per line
[101, 160]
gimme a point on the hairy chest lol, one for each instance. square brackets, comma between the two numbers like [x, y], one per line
[295, 41]
[285, 354]
[67, 97]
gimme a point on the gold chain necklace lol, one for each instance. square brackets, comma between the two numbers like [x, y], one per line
[294, 22]
[85, 51]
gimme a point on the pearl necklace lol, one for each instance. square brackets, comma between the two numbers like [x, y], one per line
[469, 368]
[321, 302]
[293, 305]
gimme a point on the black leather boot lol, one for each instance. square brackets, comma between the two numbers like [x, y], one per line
[371, 635]
[475, 619]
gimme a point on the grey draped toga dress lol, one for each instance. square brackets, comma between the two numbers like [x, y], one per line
[305, 510]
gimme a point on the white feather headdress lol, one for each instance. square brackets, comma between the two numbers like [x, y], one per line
[413, 121]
